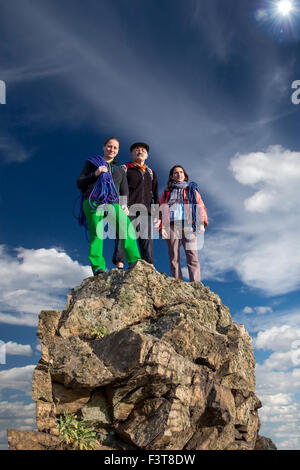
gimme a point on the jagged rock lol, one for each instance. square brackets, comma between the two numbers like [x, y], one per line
[97, 409]
[264, 443]
[170, 369]
[31, 440]
[46, 418]
[42, 383]
[67, 400]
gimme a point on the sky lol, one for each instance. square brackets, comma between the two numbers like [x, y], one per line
[208, 85]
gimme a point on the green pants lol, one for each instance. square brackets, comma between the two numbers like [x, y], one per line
[116, 217]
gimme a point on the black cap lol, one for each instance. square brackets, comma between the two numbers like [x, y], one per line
[139, 144]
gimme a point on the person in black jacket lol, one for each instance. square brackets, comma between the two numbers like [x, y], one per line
[143, 189]
[105, 183]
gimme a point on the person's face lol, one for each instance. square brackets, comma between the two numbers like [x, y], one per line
[178, 175]
[111, 149]
[139, 154]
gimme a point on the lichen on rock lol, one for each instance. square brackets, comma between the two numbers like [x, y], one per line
[173, 371]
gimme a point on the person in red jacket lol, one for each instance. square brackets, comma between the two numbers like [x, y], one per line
[183, 216]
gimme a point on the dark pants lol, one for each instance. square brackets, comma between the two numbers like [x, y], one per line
[145, 245]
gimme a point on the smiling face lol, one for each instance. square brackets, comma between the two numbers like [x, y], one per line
[178, 175]
[111, 149]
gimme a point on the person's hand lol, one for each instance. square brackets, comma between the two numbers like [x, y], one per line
[125, 209]
[156, 222]
[101, 169]
[201, 228]
[164, 233]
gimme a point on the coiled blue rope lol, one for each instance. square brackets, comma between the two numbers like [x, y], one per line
[193, 187]
[104, 191]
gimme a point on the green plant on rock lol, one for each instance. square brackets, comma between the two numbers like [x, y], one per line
[79, 434]
[99, 331]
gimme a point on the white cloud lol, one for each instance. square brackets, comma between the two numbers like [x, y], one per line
[17, 378]
[35, 280]
[293, 443]
[284, 342]
[279, 417]
[262, 201]
[16, 349]
[280, 412]
[261, 244]
[283, 382]
[259, 310]
[13, 319]
[262, 310]
[15, 415]
[278, 169]
[17, 410]
[272, 264]
[279, 399]
[279, 339]
[262, 323]
[247, 310]
[278, 383]
[280, 361]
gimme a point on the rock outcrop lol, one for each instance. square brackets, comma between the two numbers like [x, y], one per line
[153, 363]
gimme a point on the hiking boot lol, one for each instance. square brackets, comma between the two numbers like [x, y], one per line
[131, 265]
[99, 271]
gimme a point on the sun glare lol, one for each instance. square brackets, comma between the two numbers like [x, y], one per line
[284, 7]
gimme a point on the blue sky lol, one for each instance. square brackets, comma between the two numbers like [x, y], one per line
[208, 86]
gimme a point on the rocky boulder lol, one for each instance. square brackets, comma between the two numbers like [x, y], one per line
[152, 362]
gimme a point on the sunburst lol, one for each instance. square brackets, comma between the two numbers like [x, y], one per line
[285, 7]
[280, 18]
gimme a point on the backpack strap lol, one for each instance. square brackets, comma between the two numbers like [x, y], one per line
[150, 172]
[125, 168]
